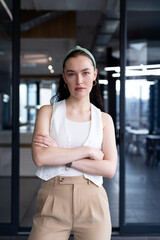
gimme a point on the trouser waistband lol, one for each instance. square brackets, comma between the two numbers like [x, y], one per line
[60, 180]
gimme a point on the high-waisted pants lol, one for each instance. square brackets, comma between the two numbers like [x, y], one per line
[71, 204]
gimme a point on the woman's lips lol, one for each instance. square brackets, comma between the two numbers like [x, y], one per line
[79, 88]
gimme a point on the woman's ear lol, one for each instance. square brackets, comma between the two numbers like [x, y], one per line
[95, 74]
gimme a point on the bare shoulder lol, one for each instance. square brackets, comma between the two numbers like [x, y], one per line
[106, 120]
[45, 110]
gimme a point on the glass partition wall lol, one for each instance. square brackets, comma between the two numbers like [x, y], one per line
[142, 115]
[32, 96]
[142, 150]
[141, 194]
[139, 117]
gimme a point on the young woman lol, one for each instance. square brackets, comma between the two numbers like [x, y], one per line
[74, 148]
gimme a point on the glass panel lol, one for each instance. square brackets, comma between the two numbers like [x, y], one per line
[29, 183]
[5, 114]
[143, 114]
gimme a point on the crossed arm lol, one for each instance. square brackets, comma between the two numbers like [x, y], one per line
[45, 150]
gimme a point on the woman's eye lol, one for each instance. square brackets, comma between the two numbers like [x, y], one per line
[70, 74]
[86, 73]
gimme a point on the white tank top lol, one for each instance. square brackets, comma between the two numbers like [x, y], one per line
[77, 133]
[59, 131]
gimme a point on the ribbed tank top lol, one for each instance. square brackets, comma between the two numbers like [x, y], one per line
[77, 133]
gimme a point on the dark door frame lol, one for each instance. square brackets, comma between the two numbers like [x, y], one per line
[12, 228]
[123, 45]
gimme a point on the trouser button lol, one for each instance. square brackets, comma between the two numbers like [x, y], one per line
[61, 179]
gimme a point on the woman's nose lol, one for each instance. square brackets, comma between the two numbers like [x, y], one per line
[79, 79]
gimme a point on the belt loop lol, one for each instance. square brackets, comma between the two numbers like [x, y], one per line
[88, 181]
[55, 181]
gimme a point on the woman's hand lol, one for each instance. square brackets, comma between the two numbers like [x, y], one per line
[43, 140]
[96, 154]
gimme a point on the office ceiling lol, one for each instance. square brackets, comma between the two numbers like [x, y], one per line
[91, 24]
[50, 28]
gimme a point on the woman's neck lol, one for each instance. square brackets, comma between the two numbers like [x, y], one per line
[78, 110]
[82, 104]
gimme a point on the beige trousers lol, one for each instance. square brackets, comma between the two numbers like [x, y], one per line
[71, 204]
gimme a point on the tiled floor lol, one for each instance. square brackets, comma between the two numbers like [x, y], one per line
[142, 192]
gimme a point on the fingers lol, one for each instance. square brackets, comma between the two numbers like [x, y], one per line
[96, 154]
[44, 140]
[40, 144]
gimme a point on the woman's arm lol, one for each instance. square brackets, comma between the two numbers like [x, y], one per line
[46, 152]
[107, 166]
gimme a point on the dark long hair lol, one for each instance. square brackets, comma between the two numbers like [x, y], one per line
[63, 92]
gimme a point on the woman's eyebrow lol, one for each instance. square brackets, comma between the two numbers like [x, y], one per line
[70, 70]
[86, 69]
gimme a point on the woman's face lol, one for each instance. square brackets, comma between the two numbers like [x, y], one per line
[79, 75]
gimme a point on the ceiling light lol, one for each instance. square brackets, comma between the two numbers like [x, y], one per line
[141, 70]
[33, 56]
[141, 66]
[52, 71]
[50, 67]
[103, 81]
[130, 73]
[116, 69]
[6, 98]
[50, 59]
